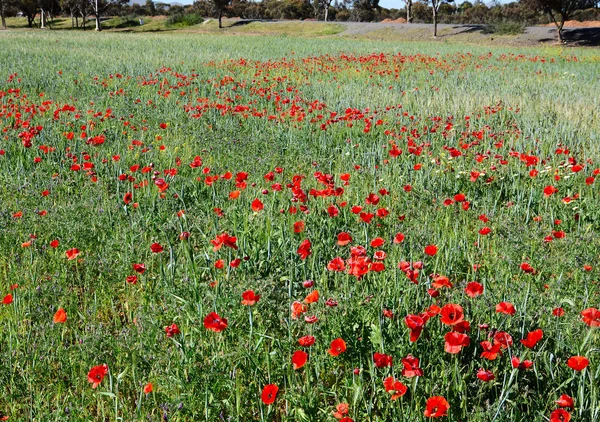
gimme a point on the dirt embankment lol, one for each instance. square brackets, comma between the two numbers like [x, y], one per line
[577, 24]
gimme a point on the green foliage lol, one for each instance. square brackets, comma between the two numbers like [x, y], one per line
[505, 28]
[183, 20]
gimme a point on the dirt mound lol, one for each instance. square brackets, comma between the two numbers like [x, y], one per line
[399, 20]
[577, 24]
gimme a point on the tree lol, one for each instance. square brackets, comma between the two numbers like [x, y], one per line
[435, 7]
[2, 14]
[99, 7]
[364, 10]
[29, 8]
[220, 6]
[150, 8]
[561, 10]
[322, 5]
[409, 15]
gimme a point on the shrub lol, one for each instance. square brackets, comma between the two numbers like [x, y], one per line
[506, 28]
[184, 19]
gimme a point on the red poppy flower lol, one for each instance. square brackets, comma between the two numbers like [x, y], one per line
[60, 317]
[214, 322]
[127, 198]
[148, 388]
[304, 249]
[462, 327]
[525, 266]
[558, 312]
[257, 205]
[54, 244]
[97, 374]
[299, 359]
[333, 211]
[565, 401]
[156, 248]
[299, 226]
[485, 375]
[436, 407]
[382, 360]
[578, 363]
[312, 297]
[485, 231]
[454, 342]
[441, 281]
[503, 338]
[131, 279]
[517, 363]
[591, 316]
[377, 242]
[249, 298]
[490, 351]
[298, 308]
[549, 190]
[560, 415]
[336, 264]
[372, 199]
[395, 387]
[415, 323]
[269, 394]
[532, 338]
[337, 347]
[506, 308]
[399, 238]
[139, 268]
[411, 367]
[474, 289]
[172, 330]
[366, 217]
[224, 240]
[451, 314]
[344, 239]
[8, 299]
[431, 250]
[72, 254]
[306, 341]
[340, 411]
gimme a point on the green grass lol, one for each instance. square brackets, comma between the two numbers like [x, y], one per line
[230, 26]
[253, 104]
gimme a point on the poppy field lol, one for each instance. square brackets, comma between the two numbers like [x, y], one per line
[206, 227]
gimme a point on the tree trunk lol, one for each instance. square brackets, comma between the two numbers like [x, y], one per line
[434, 23]
[42, 19]
[409, 17]
[559, 25]
[560, 35]
[2, 14]
[326, 11]
[220, 23]
[97, 14]
[30, 20]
